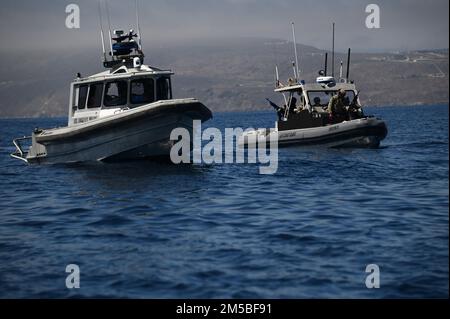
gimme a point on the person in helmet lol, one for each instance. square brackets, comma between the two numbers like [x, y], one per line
[317, 101]
[336, 107]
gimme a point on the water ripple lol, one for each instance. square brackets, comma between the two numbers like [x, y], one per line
[151, 230]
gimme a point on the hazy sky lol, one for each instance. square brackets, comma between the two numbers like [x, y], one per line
[405, 24]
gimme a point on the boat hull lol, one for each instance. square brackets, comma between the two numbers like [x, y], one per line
[365, 132]
[139, 133]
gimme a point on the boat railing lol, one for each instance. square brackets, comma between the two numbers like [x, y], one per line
[19, 153]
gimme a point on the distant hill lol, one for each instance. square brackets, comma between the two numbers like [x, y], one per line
[233, 74]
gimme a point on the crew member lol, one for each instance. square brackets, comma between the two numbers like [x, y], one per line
[317, 101]
[336, 107]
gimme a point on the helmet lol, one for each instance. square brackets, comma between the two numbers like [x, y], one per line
[341, 92]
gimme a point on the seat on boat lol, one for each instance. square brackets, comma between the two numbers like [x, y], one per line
[320, 110]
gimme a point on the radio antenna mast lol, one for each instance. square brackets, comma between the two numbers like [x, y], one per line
[109, 27]
[277, 77]
[348, 64]
[332, 55]
[295, 51]
[101, 29]
[138, 26]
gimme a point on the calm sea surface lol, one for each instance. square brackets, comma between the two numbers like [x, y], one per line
[154, 230]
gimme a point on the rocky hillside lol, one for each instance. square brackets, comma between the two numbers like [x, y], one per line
[235, 74]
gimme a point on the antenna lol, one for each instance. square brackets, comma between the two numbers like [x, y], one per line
[109, 28]
[295, 50]
[326, 63]
[138, 26]
[295, 71]
[101, 29]
[348, 63]
[332, 55]
[277, 77]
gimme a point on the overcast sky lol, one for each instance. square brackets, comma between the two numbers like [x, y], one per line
[405, 24]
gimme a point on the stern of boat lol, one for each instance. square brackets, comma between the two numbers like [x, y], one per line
[28, 149]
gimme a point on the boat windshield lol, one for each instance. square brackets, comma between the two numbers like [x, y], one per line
[115, 93]
[163, 88]
[322, 98]
[81, 96]
[142, 91]
[95, 95]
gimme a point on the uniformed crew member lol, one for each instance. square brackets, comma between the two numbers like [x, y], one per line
[336, 106]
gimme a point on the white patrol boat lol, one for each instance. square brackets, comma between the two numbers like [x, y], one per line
[304, 118]
[126, 112]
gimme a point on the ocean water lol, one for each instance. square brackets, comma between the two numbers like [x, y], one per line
[155, 230]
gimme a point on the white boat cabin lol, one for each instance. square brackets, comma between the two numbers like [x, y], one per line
[117, 90]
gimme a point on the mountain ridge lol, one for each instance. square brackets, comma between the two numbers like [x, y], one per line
[227, 75]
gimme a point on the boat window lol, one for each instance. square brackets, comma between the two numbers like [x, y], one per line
[322, 98]
[82, 95]
[95, 95]
[163, 88]
[116, 93]
[142, 91]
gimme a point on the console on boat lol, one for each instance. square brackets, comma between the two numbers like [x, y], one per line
[308, 104]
